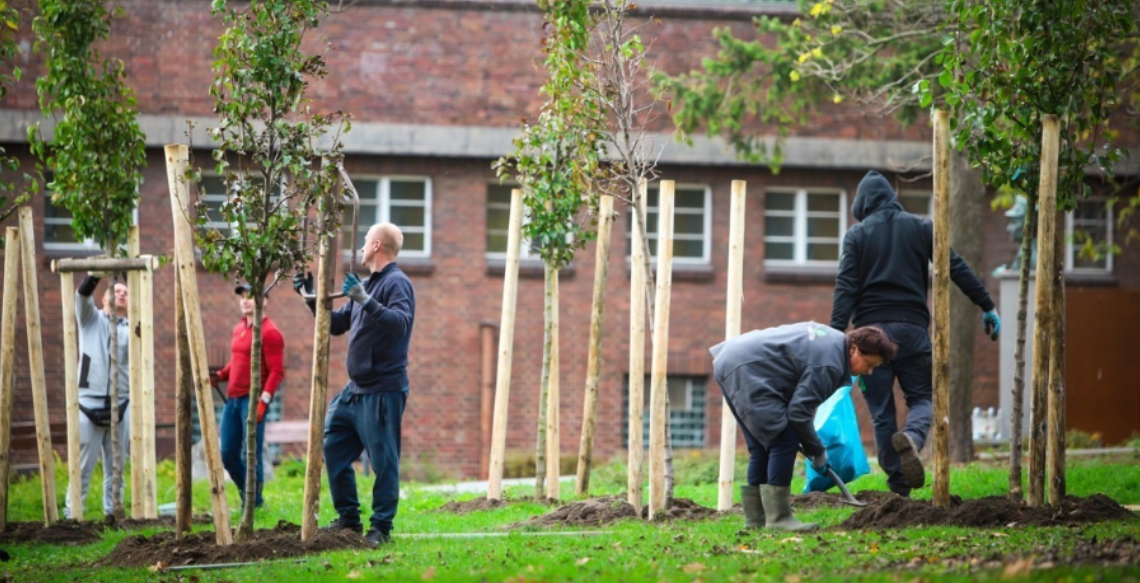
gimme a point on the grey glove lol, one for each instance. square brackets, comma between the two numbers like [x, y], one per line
[354, 289]
[819, 462]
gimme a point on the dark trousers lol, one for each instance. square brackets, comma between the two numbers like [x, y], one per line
[912, 368]
[358, 423]
[772, 465]
[233, 445]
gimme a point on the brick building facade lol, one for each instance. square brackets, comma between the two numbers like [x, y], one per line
[436, 89]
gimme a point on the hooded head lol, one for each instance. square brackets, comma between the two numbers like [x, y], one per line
[874, 194]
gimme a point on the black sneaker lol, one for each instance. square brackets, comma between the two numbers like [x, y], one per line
[342, 524]
[377, 537]
[912, 468]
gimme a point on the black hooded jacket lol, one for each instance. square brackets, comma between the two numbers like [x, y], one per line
[884, 268]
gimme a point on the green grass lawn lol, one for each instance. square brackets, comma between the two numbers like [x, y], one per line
[708, 551]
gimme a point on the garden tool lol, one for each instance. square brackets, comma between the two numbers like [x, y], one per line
[355, 228]
[847, 498]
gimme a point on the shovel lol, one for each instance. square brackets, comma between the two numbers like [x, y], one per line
[847, 498]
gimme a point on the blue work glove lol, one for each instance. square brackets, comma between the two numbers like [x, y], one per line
[856, 385]
[819, 462]
[992, 323]
[301, 282]
[353, 289]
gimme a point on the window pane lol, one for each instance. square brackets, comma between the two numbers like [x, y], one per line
[407, 216]
[1090, 209]
[495, 243]
[823, 227]
[689, 198]
[57, 233]
[780, 201]
[212, 185]
[779, 226]
[415, 242]
[687, 248]
[916, 205]
[368, 190]
[651, 223]
[687, 224]
[367, 219]
[823, 251]
[651, 196]
[499, 194]
[51, 211]
[779, 251]
[823, 202]
[498, 219]
[407, 190]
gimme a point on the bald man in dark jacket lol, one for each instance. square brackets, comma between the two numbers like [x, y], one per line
[883, 277]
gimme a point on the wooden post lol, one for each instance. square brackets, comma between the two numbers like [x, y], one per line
[506, 346]
[135, 378]
[1042, 326]
[553, 389]
[486, 392]
[149, 491]
[103, 264]
[634, 486]
[1055, 453]
[177, 160]
[36, 363]
[732, 315]
[659, 379]
[318, 400]
[8, 361]
[183, 388]
[594, 360]
[940, 434]
[71, 394]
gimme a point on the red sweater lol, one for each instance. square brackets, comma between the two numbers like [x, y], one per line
[272, 359]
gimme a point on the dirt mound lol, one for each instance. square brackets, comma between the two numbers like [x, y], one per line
[475, 505]
[816, 500]
[896, 512]
[64, 532]
[281, 542]
[109, 522]
[609, 509]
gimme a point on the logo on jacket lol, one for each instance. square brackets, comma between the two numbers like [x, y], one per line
[816, 331]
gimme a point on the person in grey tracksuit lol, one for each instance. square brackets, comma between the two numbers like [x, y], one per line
[95, 382]
[773, 381]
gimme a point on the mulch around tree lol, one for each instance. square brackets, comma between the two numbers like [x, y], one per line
[64, 532]
[610, 509]
[993, 511]
[163, 550]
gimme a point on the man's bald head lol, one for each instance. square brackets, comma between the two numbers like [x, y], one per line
[383, 241]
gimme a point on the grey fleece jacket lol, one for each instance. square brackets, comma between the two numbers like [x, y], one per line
[777, 377]
[94, 356]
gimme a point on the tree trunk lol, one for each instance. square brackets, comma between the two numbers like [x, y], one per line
[245, 527]
[1016, 492]
[1056, 449]
[183, 389]
[968, 193]
[544, 384]
[116, 447]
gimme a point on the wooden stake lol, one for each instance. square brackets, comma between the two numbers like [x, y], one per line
[594, 360]
[318, 400]
[8, 361]
[506, 346]
[553, 437]
[36, 363]
[734, 305]
[134, 381]
[71, 394]
[634, 488]
[940, 433]
[659, 380]
[80, 265]
[177, 160]
[149, 491]
[1055, 453]
[1043, 319]
[183, 389]
[486, 392]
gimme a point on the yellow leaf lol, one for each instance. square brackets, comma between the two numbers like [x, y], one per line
[794, 539]
[804, 57]
[836, 29]
[796, 23]
[837, 98]
[693, 568]
[794, 76]
[793, 579]
[11, 24]
[874, 547]
[817, 52]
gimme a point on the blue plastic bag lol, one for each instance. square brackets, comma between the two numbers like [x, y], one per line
[838, 429]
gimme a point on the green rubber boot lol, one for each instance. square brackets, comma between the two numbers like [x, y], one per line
[778, 509]
[753, 506]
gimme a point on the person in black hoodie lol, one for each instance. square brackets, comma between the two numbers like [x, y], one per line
[367, 414]
[883, 277]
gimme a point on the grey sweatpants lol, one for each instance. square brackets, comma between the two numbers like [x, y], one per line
[95, 445]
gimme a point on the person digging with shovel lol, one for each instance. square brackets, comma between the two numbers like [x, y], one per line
[773, 381]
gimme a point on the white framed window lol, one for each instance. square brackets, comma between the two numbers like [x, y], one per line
[687, 405]
[919, 203]
[58, 232]
[498, 224]
[692, 224]
[212, 191]
[804, 226]
[1091, 221]
[404, 201]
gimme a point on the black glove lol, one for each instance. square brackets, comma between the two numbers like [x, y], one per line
[301, 282]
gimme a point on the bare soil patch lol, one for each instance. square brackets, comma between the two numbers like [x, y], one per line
[816, 500]
[481, 504]
[64, 532]
[610, 509]
[282, 542]
[109, 522]
[994, 511]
